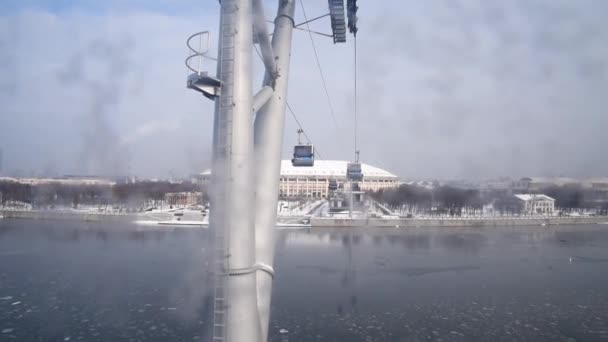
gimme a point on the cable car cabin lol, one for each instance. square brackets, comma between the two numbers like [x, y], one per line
[303, 155]
[333, 185]
[353, 172]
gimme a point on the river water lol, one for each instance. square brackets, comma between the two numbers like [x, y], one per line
[75, 281]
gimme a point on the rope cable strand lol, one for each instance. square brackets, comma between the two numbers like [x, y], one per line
[314, 49]
[355, 72]
[318, 155]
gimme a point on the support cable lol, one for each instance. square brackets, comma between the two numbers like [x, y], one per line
[318, 155]
[297, 27]
[313, 19]
[356, 150]
[314, 48]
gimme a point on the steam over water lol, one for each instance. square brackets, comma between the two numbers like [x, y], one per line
[66, 281]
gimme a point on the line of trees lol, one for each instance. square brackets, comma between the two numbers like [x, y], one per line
[57, 194]
[440, 200]
[455, 201]
[574, 196]
[13, 191]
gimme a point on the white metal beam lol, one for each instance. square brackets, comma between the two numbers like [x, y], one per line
[262, 37]
[261, 97]
[231, 218]
[268, 139]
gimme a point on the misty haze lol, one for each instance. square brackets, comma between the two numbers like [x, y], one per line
[303, 170]
[449, 89]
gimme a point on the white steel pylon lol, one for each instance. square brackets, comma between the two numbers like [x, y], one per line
[268, 140]
[231, 215]
[246, 159]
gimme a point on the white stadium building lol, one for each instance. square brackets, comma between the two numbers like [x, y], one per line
[313, 181]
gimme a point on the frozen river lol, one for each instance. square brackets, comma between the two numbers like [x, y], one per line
[71, 281]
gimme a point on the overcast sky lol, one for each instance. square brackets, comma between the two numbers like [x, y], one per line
[447, 89]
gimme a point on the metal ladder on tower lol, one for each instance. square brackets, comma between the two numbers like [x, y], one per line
[210, 87]
[223, 149]
[219, 290]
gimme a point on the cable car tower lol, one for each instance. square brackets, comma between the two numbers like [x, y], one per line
[247, 158]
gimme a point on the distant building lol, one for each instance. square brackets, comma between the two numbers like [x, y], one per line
[497, 184]
[533, 184]
[313, 181]
[427, 184]
[522, 185]
[536, 204]
[183, 199]
[598, 188]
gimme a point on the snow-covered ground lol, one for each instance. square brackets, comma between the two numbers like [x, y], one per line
[295, 208]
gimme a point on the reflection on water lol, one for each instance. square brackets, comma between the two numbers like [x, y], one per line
[100, 282]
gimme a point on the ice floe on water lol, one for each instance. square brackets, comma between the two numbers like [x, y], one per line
[439, 290]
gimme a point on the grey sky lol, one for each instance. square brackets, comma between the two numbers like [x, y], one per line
[446, 88]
